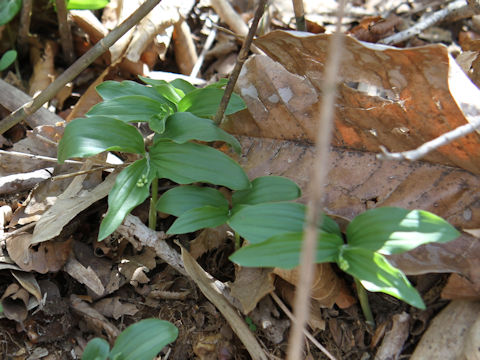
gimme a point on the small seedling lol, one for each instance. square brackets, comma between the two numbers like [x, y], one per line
[140, 341]
[7, 59]
[179, 114]
[370, 236]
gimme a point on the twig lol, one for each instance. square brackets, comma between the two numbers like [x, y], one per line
[38, 157]
[307, 333]
[229, 16]
[299, 15]
[242, 56]
[64, 30]
[431, 145]
[24, 30]
[77, 67]
[422, 25]
[208, 44]
[320, 171]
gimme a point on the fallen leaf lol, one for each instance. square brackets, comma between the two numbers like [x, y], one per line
[14, 302]
[113, 308]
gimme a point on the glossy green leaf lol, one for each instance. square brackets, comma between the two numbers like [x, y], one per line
[267, 189]
[183, 85]
[144, 340]
[169, 92]
[391, 230]
[283, 251]
[96, 349]
[132, 187]
[205, 102]
[184, 126]
[257, 223]
[86, 4]
[377, 275]
[109, 90]
[93, 135]
[188, 163]
[8, 10]
[7, 59]
[199, 218]
[219, 84]
[132, 108]
[180, 199]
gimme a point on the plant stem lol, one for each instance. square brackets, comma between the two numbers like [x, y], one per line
[152, 214]
[362, 296]
[237, 241]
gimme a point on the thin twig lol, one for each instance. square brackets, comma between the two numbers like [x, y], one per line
[299, 15]
[24, 30]
[431, 145]
[208, 44]
[38, 157]
[64, 30]
[77, 67]
[242, 56]
[424, 24]
[315, 201]
[307, 333]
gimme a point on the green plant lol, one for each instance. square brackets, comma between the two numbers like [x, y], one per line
[140, 341]
[86, 4]
[178, 114]
[274, 230]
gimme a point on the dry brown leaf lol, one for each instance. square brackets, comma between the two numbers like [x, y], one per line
[399, 98]
[43, 60]
[459, 287]
[113, 308]
[208, 239]
[14, 302]
[48, 256]
[448, 332]
[250, 286]
[134, 267]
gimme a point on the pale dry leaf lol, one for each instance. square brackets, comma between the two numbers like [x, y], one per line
[14, 302]
[46, 257]
[459, 287]
[208, 239]
[113, 308]
[446, 335]
[134, 267]
[29, 283]
[251, 285]
[43, 60]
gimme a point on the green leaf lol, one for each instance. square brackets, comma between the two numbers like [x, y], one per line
[219, 84]
[7, 59]
[93, 135]
[377, 275]
[133, 108]
[391, 230]
[188, 163]
[96, 349]
[8, 10]
[183, 85]
[283, 251]
[144, 340]
[199, 218]
[132, 187]
[183, 198]
[257, 223]
[205, 102]
[267, 189]
[86, 4]
[169, 92]
[183, 126]
[110, 90]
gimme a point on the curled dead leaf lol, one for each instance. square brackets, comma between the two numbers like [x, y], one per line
[14, 302]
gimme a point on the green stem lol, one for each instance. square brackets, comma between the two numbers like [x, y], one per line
[152, 214]
[237, 240]
[362, 296]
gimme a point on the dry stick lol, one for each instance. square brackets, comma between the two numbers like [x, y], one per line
[299, 15]
[242, 56]
[208, 44]
[64, 30]
[425, 23]
[24, 30]
[39, 157]
[319, 175]
[431, 145]
[307, 334]
[77, 67]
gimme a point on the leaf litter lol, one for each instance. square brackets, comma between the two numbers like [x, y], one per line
[398, 98]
